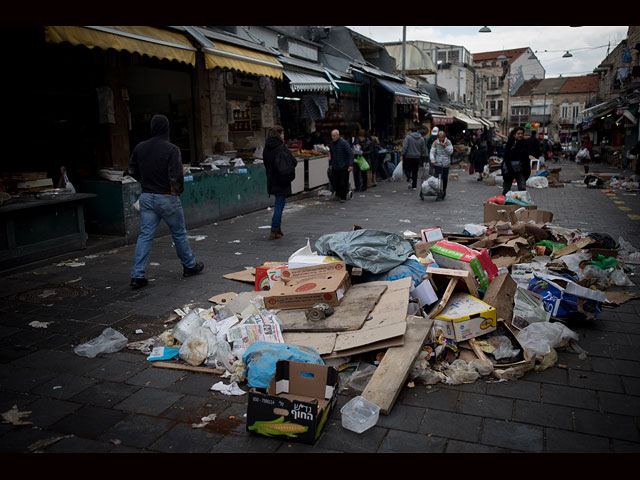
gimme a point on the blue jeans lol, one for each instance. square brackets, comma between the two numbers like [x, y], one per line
[276, 220]
[153, 208]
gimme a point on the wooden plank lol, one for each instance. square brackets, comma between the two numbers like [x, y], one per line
[188, 368]
[350, 340]
[387, 381]
[462, 274]
[573, 247]
[321, 342]
[370, 347]
[445, 298]
[351, 314]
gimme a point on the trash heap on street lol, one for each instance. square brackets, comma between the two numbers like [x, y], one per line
[371, 312]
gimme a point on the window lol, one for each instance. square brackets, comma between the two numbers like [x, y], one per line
[575, 110]
[564, 111]
[454, 57]
[442, 57]
[494, 82]
[499, 105]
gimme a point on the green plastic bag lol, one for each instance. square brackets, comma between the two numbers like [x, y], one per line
[362, 163]
[605, 262]
[553, 246]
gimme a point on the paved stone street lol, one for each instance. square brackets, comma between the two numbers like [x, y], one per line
[119, 402]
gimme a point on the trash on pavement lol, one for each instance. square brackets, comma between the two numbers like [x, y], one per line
[297, 402]
[359, 414]
[109, 341]
[465, 317]
[528, 308]
[230, 389]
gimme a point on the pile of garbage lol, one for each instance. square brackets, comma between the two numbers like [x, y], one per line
[373, 310]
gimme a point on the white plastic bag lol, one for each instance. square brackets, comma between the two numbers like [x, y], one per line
[109, 341]
[198, 347]
[537, 182]
[540, 337]
[397, 173]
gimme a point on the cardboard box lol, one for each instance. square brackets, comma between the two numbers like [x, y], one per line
[431, 234]
[267, 275]
[330, 268]
[465, 317]
[422, 249]
[494, 212]
[458, 257]
[538, 216]
[296, 404]
[305, 292]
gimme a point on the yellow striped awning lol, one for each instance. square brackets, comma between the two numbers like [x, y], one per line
[234, 57]
[144, 40]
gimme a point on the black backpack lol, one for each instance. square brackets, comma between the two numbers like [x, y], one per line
[285, 170]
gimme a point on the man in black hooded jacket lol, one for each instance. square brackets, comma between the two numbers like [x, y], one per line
[157, 164]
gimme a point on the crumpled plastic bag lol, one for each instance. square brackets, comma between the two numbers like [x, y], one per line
[537, 182]
[503, 347]
[372, 250]
[540, 337]
[198, 347]
[261, 358]
[109, 341]
[409, 268]
[397, 173]
[462, 372]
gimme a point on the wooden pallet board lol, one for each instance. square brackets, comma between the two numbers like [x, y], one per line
[351, 314]
[389, 378]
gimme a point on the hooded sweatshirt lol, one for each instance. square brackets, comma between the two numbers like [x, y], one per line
[272, 149]
[157, 163]
[414, 146]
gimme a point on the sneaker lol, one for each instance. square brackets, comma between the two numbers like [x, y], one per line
[137, 283]
[414, 189]
[188, 272]
[349, 195]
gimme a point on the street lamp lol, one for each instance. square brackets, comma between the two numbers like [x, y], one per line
[485, 29]
[567, 55]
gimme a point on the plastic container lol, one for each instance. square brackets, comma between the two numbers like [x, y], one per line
[359, 414]
[187, 326]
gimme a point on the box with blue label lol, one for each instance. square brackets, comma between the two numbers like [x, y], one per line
[465, 317]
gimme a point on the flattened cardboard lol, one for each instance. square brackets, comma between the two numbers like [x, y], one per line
[297, 403]
[500, 295]
[539, 217]
[305, 292]
[330, 268]
[247, 276]
[494, 212]
[574, 247]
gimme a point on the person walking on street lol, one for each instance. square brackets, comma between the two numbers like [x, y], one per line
[534, 151]
[481, 158]
[414, 150]
[340, 164]
[365, 148]
[516, 157]
[157, 164]
[440, 156]
[377, 162]
[280, 165]
[430, 139]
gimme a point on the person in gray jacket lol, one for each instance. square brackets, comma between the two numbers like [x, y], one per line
[440, 156]
[414, 149]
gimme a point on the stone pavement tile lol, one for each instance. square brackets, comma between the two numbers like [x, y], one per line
[6, 331]
[88, 421]
[485, 406]
[554, 375]
[47, 411]
[183, 438]
[622, 427]
[137, 431]
[149, 401]
[564, 441]
[608, 337]
[18, 439]
[543, 414]
[116, 370]
[634, 340]
[191, 409]
[434, 397]
[573, 361]
[64, 386]
[620, 446]
[628, 368]
[78, 445]
[595, 381]
[21, 400]
[631, 385]
[196, 384]
[401, 417]
[451, 425]
[619, 403]
[456, 446]
[336, 437]
[569, 396]
[156, 377]
[20, 379]
[55, 361]
[521, 389]
[625, 352]
[407, 442]
[105, 394]
[11, 353]
[246, 443]
[512, 435]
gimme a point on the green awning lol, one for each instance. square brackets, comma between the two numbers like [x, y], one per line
[348, 87]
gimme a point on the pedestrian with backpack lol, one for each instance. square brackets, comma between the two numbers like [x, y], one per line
[280, 165]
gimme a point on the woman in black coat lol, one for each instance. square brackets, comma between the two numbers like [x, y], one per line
[516, 159]
[480, 159]
[280, 165]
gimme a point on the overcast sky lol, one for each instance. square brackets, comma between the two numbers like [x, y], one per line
[587, 44]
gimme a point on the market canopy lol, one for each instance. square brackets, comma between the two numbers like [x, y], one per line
[401, 93]
[235, 57]
[304, 82]
[468, 121]
[145, 40]
[440, 119]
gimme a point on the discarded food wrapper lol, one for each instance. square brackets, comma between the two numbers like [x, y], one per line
[163, 353]
[231, 389]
